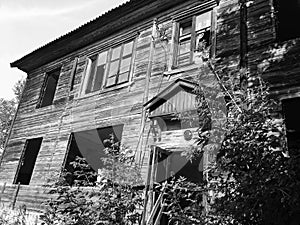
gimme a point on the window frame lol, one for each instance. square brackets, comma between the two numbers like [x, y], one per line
[24, 154]
[45, 85]
[175, 45]
[104, 86]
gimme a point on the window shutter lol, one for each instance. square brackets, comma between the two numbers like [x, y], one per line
[86, 76]
[193, 39]
[174, 45]
[213, 33]
[73, 74]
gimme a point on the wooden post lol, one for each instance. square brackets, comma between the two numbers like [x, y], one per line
[146, 93]
[2, 191]
[151, 195]
[147, 188]
[15, 196]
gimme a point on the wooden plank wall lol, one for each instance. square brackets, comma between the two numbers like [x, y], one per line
[72, 112]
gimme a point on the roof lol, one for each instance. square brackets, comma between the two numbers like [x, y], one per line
[169, 91]
[106, 24]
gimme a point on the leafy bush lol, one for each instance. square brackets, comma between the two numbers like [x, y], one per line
[256, 180]
[16, 217]
[114, 200]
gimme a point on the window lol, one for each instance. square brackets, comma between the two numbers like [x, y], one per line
[49, 88]
[96, 69]
[114, 64]
[288, 13]
[119, 67]
[170, 122]
[27, 161]
[194, 34]
[89, 144]
[291, 113]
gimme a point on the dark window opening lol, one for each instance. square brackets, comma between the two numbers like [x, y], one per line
[291, 111]
[288, 13]
[49, 88]
[90, 145]
[172, 122]
[27, 161]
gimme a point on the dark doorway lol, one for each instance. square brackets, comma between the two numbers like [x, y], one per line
[27, 161]
[291, 111]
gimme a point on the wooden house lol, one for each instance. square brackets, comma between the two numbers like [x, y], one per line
[128, 72]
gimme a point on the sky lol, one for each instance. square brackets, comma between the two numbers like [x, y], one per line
[29, 24]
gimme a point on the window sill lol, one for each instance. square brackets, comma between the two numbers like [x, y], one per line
[105, 90]
[181, 69]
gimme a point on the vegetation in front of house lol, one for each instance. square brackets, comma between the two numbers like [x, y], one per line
[17, 217]
[114, 200]
[255, 179]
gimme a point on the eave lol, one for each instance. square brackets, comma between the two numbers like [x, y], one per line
[111, 22]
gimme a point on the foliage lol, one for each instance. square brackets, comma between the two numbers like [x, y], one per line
[183, 202]
[7, 111]
[16, 217]
[18, 89]
[114, 200]
[255, 179]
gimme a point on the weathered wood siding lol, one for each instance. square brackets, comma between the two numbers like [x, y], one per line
[71, 112]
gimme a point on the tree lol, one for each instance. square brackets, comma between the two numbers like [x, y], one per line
[255, 179]
[8, 110]
[18, 89]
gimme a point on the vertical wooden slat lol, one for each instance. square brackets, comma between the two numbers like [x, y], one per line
[15, 196]
[213, 32]
[193, 39]
[73, 72]
[174, 45]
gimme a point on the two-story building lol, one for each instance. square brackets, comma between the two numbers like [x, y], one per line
[130, 72]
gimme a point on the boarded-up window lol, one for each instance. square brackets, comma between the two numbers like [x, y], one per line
[27, 161]
[49, 88]
[288, 16]
[90, 145]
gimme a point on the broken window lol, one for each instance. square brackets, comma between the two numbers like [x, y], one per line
[114, 64]
[95, 72]
[288, 13]
[291, 113]
[194, 35]
[90, 145]
[49, 88]
[27, 161]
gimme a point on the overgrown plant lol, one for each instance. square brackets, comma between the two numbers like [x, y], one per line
[255, 179]
[113, 200]
[16, 217]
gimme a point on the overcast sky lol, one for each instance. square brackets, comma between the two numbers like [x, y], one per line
[28, 24]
